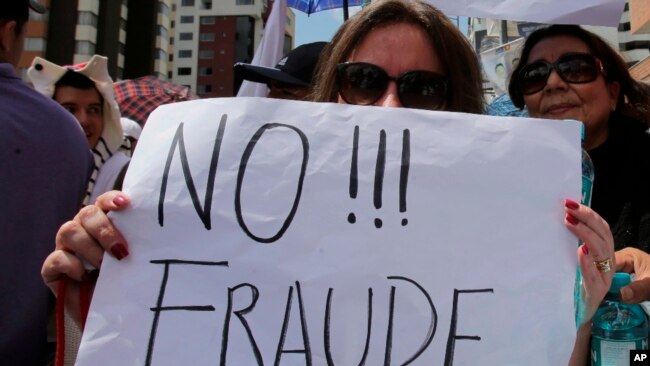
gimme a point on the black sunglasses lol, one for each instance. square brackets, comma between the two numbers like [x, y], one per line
[574, 68]
[363, 84]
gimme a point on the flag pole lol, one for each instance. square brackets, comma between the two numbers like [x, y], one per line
[345, 10]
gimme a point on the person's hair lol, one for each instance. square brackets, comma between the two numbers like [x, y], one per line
[76, 80]
[16, 10]
[634, 97]
[460, 63]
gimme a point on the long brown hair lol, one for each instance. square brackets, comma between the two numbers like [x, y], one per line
[458, 59]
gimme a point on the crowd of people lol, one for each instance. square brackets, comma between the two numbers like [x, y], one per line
[393, 53]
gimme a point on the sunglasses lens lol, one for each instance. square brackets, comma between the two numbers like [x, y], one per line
[578, 68]
[361, 84]
[533, 77]
[422, 90]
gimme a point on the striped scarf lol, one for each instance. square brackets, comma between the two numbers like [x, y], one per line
[101, 153]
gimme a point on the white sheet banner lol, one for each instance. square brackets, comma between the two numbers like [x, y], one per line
[499, 62]
[588, 12]
[293, 233]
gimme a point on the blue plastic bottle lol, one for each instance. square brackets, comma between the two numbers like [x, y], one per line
[587, 187]
[617, 328]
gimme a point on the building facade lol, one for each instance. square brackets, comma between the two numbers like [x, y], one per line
[209, 38]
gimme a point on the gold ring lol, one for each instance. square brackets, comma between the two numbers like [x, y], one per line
[604, 265]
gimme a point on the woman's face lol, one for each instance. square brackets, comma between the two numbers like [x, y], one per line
[396, 48]
[590, 102]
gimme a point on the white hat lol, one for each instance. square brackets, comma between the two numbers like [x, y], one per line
[45, 74]
[131, 128]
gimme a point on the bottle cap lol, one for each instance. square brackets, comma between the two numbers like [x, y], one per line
[621, 279]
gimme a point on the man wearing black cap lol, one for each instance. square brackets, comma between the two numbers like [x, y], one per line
[45, 164]
[291, 77]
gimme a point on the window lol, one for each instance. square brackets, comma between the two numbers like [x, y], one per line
[184, 53]
[34, 44]
[185, 19]
[173, 9]
[186, 36]
[84, 48]
[160, 54]
[123, 24]
[171, 57]
[163, 8]
[206, 54]
[245, 2]
[205, 71]
[184, 71]
[206, 4]
[87, 18]
[202, 89]
[171, 40]
[208, 20]
[122, 48]
[187, 3]
[162, 32]
[206, 37]
[172, 24]
[169, 75]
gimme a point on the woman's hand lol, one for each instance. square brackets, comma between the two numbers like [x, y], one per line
[594, 255]
[85, 238]
[632, 260]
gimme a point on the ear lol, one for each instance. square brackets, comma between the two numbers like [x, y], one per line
[7, 35]
[614, 88]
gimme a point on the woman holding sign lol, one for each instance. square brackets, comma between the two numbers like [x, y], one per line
[394, 53]
[566, 72]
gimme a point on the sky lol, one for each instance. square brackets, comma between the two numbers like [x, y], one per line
[321, 26]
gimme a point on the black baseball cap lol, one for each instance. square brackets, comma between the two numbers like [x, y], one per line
[19, 9]
[296, 68]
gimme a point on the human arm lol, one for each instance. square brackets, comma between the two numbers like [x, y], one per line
[87, 236]
[598, 245]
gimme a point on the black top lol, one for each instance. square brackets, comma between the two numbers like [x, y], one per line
[621, 192]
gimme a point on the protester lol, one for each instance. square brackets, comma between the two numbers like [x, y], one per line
[86, 91]
[393, 53]
[132, 131]
[45, 165]
[291, 77]
[432, 64]
[566, 72]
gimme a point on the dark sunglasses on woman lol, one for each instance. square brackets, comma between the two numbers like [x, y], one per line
[574, 68]
[363, 84]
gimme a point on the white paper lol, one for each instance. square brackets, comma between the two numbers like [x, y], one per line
[587, 12]
[484, 205]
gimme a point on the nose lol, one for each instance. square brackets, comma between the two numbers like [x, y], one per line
[81, 116]
[390, 97]
[555, 82]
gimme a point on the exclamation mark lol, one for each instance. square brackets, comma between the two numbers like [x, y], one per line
[353, 172]
[404, 172]
[379, 174]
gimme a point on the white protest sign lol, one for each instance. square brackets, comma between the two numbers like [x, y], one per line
[294, 233]
[588, 12]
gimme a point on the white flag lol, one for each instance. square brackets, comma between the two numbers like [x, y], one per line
[269, 51]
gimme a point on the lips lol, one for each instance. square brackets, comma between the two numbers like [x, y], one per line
[559, 108]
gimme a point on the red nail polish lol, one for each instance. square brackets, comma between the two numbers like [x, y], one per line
[570, 219]
[585, 249]
[119, 251]
[570, 204]
[119, 201]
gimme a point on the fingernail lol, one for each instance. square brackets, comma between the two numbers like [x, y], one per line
[119, 200]
[570, 219]
[119, 251]
[584, 249]
[626, 294]
[570, 204]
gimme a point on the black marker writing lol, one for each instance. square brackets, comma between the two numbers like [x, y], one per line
[354, 183]
[379, 174]
[242, 171]
[203, 212]
[404, 172]
[303, 326]
[326, 330]
[161, 295]
[240, 314]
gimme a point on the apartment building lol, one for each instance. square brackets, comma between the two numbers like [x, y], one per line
[640, 24]
[132, 34]
[209, 37]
